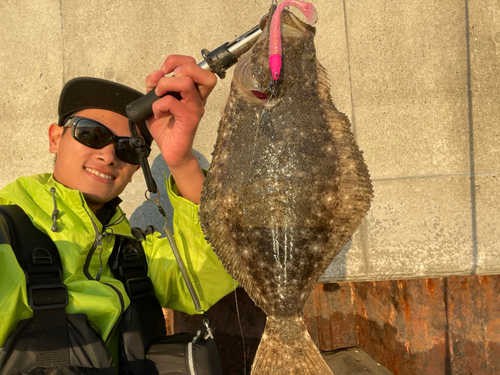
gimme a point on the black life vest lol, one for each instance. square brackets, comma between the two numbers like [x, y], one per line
[54, 342]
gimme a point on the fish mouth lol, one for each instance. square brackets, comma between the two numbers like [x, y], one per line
[249, 84]
[252, 76]
[260, 95]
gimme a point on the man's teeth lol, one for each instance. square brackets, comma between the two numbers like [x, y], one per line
[99, 174]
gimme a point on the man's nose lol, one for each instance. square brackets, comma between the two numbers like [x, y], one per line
[107, 154]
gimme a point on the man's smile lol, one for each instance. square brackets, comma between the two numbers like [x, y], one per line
[99, 174]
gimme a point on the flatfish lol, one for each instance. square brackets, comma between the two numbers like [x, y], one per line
[286, 189]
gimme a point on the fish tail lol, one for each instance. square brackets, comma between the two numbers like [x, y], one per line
[287, 349]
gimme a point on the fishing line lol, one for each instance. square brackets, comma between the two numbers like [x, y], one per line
[241, 331]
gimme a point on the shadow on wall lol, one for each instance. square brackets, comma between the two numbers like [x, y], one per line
[146, 214]
[338, 268]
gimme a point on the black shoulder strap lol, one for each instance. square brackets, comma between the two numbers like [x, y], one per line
[38, 256]
[129, 265]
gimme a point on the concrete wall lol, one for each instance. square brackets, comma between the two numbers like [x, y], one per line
[418, 79]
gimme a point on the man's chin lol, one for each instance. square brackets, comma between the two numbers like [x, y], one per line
[95, 201]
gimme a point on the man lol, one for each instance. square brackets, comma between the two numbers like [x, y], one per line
[77, 205]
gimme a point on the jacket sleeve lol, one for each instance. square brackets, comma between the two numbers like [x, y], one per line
[206, 272]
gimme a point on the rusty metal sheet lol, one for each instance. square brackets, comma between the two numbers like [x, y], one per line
[403, 324]
[473, 305]
[423, 326]
[435, 326]
[329, 316]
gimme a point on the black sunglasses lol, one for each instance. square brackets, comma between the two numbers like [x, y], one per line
[95, 135]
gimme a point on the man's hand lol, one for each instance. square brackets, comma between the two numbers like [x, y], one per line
[175, 121]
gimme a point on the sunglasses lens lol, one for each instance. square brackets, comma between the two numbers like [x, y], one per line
[126, 152]
[92, 134]
[95, 135]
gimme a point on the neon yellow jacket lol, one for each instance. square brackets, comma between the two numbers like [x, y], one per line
[76, 239]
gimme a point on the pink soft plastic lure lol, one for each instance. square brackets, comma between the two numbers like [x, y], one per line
[275, 34]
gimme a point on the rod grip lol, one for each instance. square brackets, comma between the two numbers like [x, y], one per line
[141, 109]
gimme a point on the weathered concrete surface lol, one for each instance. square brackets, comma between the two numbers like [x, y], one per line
[418, 79]
[485, 113]
[30, 76]
[434, 214]
[488, 229]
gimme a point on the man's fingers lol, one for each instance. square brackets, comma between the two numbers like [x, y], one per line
[204, 79]
[153, 79]
[184, 86]
[183, 66]
[169, 106]
[173, 61]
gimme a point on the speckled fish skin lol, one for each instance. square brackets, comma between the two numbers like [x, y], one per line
[286, 189]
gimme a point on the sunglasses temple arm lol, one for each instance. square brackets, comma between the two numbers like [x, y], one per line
[142, 153]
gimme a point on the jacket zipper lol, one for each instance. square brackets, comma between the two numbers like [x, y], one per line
[55, 212]
[98, 244]
[192, 370]
[190, 359]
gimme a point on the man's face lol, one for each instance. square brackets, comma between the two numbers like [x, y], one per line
[99, 174]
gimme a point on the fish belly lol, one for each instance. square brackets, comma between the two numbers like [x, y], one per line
[282, 197]
[285, 191]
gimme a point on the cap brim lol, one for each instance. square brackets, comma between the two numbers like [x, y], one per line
[88, 92]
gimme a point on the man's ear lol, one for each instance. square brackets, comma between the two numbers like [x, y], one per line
[55, 134]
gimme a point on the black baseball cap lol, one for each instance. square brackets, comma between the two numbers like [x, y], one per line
[87, 92]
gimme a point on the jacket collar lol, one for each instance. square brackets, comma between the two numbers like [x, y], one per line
[33, 194]
[105, 214]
